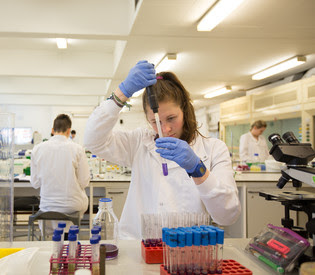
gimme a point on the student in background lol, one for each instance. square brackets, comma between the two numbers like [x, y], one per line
[59, 167]
[73, 134]
[254, 142]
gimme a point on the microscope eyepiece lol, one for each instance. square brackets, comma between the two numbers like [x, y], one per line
[275, 139]
[289, 137]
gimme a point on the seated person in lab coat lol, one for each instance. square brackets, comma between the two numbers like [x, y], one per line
[200, 176]
[254, 142]
[72, 135]
[59, 167]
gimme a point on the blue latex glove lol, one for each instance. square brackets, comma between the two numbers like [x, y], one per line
[140, 76]
[179, 151]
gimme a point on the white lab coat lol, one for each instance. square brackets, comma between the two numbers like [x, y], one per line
[150, 191]
[250, 146]
[60, 169]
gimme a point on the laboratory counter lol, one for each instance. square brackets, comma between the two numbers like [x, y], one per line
[129, 260]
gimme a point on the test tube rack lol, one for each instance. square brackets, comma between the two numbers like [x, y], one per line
[229, 267]
[83, 260]
[152, 255]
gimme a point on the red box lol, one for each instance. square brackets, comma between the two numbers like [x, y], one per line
[229, 267]
[152, 255]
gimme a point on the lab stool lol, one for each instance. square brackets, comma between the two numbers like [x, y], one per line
[51, 215]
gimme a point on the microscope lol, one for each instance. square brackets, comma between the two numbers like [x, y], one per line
[295, 155]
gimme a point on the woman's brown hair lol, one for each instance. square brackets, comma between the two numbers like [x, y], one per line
[169, 88]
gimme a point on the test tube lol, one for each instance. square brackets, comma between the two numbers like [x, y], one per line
[196, 251]
[212, 250]
[181, 252]
[72, 252]
[59, 231]
[173, 252]
[164, 231]
[158, 124]
[94, 241]
[204, 252]
[63, 226]
[220, 241]
[55, 253]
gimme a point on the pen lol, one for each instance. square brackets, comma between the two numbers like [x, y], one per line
[268, 262]
[264, 252]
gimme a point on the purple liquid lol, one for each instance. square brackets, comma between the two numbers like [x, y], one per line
[165, 170]
[111, 251]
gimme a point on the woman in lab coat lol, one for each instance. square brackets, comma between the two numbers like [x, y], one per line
[254, 142]
[200, 175]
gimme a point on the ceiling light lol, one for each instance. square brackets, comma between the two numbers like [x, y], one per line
[61, 43]
[217, 14]
[283, 66]
[218, 92]
[166, 63]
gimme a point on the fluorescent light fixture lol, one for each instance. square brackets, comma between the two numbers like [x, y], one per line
[217, 14]
[166, 63]
[280, 67]
[218, 92]
[61, 43]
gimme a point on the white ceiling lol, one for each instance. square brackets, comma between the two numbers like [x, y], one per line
[107, 37]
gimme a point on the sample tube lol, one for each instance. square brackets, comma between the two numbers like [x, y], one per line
[164, 230]
[196, 251]
[204, 252]
[173, 253]
[189, 251]
[59, 231]
[63, 226]
[181, 252]
[55, 253]
[94, 241]
[212, 250]
[220, 241]
[72, 252]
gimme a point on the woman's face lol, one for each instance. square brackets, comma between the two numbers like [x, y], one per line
[257, 131]
[171, 119]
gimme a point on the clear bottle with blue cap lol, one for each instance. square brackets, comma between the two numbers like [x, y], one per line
[108, 221]
[72, 252]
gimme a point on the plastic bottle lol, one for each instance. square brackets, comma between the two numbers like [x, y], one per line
[107, 219]
[255, 163]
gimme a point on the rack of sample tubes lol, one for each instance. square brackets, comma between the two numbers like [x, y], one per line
[67, 258]
[193, 250]
[151, 227]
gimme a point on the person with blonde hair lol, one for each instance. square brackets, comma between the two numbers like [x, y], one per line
[254, 142]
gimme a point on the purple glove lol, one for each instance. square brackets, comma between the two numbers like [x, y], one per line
[140, 76]
[179, 151]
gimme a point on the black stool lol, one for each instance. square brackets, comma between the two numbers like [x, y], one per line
[51, 215]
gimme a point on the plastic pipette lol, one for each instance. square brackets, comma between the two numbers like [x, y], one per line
[154, 105]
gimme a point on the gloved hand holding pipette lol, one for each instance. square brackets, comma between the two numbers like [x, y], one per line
[179, 151]
[139, 77]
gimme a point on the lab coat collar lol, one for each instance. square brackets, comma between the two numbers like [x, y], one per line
[59, 138]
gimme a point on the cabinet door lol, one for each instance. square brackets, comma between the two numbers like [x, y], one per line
[260, 212]
[118, 195]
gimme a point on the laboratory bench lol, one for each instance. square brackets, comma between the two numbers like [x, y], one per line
[129, 260]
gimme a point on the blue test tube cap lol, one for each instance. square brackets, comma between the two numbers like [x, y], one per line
[212, 237]
[188, 237]
[56, 238]
[173, 239]
[204, 238]
[62, 224]
[98, 227]
[105, 200]
[181, 238]
[94, 240]
[220, 236]
[72, 237]
[196, 237]
[58, 231]
[94, 231]
[164, 230]
[74, 230]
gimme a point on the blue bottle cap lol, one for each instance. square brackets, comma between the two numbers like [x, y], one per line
[74, 226]
[188, 237]
[173, 239]
[105, 200]
[56, 238]
[98, 227]
[94, 240]
[72, 237]
[196, 237]
[204, 238]
[164, 230]
[181, 238]
[220, 236]
[212, 237]
[58, 231]
[62, 224]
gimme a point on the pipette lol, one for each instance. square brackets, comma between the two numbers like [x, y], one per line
[154, 105]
